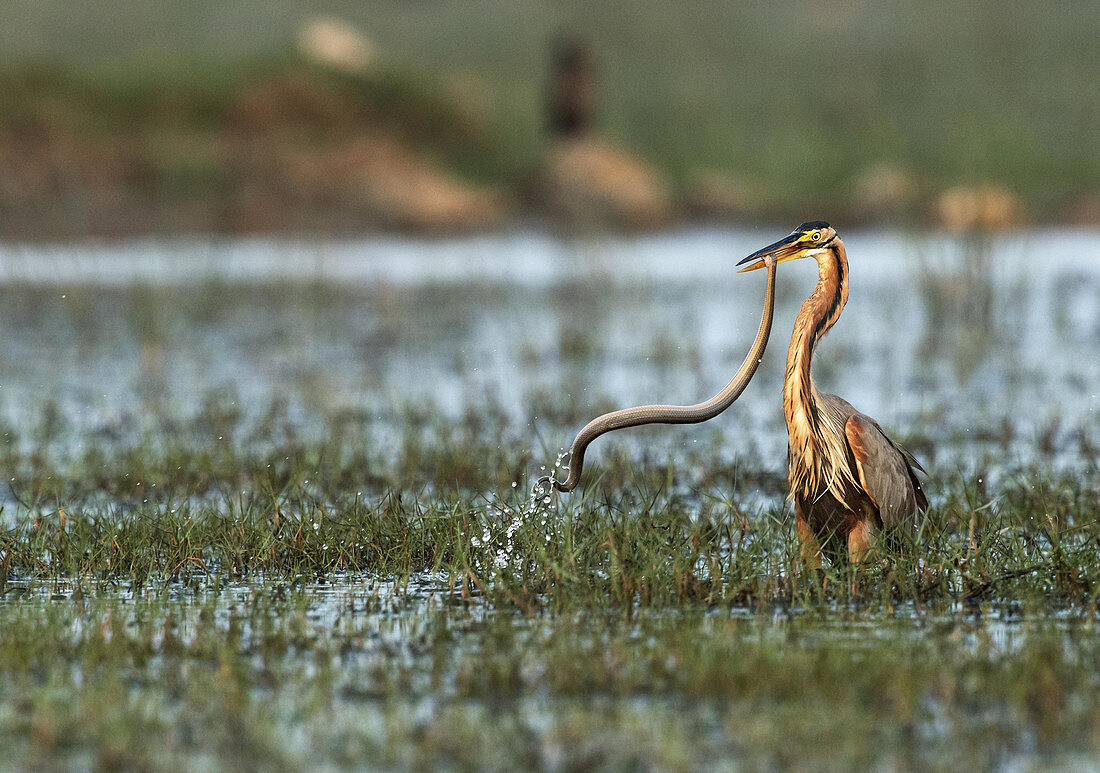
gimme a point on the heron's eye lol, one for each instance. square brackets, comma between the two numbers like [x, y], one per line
[815, 235]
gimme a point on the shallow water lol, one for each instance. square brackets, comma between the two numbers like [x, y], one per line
[981, 351]
[358, 672]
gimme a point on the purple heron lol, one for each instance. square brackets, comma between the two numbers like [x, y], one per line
[849, 481]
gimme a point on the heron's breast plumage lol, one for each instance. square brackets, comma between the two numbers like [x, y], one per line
[818, 457]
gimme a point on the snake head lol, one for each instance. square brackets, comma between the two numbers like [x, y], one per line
[543, 486]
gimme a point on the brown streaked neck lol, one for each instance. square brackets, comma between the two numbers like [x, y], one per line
[819, 312]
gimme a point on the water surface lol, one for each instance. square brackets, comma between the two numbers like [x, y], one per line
[980, 351]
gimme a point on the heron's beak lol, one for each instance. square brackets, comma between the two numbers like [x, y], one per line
[787, 248]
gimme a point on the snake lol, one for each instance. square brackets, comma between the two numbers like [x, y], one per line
[668, 414]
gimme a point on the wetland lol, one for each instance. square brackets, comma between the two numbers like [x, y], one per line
[267, 506]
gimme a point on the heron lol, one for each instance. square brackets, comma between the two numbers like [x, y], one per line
[850, 483]
[670, 414]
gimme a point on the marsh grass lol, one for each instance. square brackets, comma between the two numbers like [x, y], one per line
[158, 680]
[275, 601]
[261, 505]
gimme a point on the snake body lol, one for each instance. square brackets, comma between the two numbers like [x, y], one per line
[669, 414]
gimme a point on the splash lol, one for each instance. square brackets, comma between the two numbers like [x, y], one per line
[545, 485]
[508, 528]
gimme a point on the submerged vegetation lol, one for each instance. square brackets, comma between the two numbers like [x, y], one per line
[160, 681]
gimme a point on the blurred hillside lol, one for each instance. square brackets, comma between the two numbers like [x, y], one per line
[185, 114]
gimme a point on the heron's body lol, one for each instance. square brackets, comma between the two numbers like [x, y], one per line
[849, 481]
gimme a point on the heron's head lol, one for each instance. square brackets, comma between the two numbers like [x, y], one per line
[808, 240]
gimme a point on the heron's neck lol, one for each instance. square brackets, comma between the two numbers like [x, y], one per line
[819, 313]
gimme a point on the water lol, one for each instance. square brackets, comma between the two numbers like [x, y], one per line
[981, 351]
[358, 672]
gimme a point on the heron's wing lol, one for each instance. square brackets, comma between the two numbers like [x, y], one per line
[885, 471]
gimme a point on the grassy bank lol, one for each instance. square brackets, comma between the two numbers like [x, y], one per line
[863, 113]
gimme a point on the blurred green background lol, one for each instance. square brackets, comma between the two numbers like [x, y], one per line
[850, 109]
